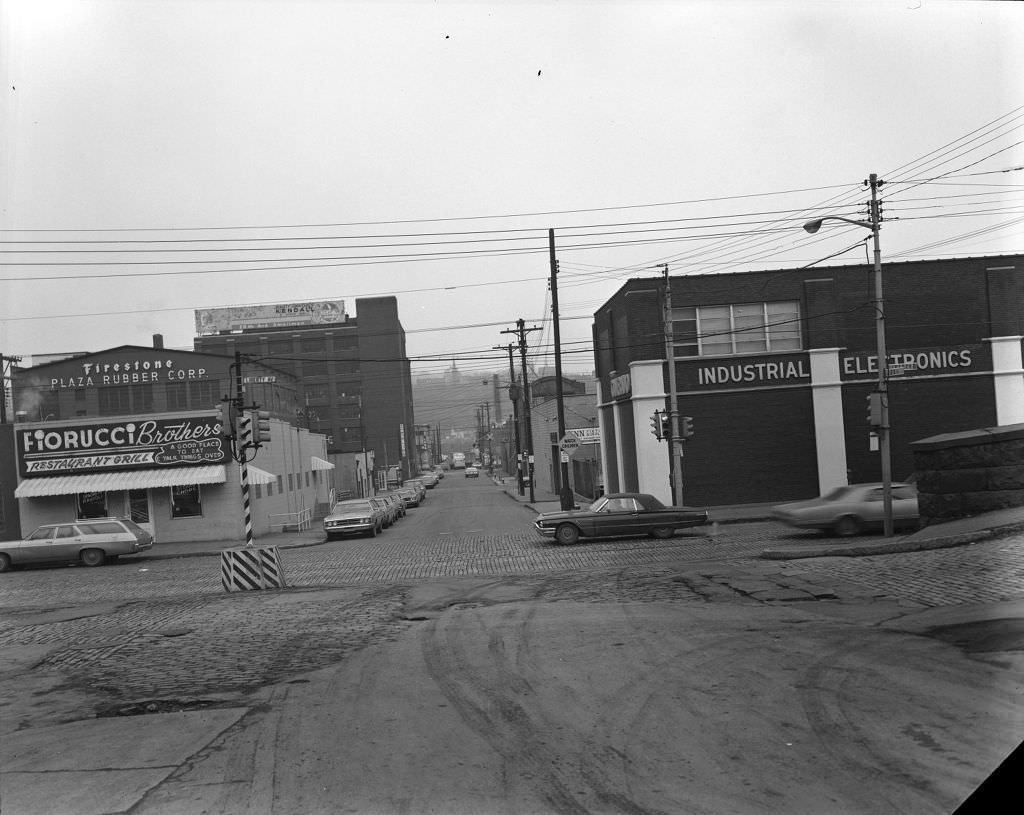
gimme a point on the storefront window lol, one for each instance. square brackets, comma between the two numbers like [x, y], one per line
[186, 501]
[92, 505]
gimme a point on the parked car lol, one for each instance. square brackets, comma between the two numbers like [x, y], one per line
[355, 516]
[472, 472]
[386, 509]
[409, 495]
[617, 515]
[417, 483]
[90, 542]
[396, 500]
[851, 509]
[429, 479]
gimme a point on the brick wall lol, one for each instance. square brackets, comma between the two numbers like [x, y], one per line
[964, 474]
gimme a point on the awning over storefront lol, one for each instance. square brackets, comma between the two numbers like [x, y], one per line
[320, 464]
[127, 480]
[258, 476]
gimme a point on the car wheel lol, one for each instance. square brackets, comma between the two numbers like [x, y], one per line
[92, 557]
[662, 532]
[847, 526]
[567, 533]
[5, 562]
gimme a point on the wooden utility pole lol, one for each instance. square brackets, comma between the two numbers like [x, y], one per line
[564, 490]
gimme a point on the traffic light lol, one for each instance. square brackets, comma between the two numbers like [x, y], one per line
[666, 425]
[685, 427]
[656, 425]
[261, 427]
[874, 409]
[227, 419]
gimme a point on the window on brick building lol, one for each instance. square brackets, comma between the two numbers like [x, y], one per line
[746, 328]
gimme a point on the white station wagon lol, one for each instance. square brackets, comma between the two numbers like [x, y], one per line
[90, 542]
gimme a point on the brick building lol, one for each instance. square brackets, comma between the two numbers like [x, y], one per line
[354, 382]
[775, 369]
[138, 432]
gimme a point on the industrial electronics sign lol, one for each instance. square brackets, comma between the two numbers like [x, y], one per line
[149, 443]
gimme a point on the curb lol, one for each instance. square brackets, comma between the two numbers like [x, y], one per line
[896, 547]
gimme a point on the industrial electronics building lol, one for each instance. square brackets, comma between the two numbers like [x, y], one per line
[775, 369]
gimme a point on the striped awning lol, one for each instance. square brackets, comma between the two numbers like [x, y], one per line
[258, 476]
[320, 464]
[116, 481]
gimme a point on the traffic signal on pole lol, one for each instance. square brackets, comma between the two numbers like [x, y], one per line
[666, 425]
[656, 425]
[875, 409]
[686, 427]
[261, 427]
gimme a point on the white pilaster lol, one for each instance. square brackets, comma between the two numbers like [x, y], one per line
[829, 429]
[652, 462]
[1008, 379]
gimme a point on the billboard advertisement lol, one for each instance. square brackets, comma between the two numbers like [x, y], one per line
[275, 315]
[120, 445]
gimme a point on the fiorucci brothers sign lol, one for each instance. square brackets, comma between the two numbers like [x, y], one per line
[148, 443]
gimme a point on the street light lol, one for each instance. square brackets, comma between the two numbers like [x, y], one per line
[883, 430]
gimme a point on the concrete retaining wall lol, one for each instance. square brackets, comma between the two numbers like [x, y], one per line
[965, 474]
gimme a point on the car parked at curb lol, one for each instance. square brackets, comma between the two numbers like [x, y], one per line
[618, 515]
[410, 496]
[396, 501]
[386, 509]
[852, 509]
[354, 516]
[91, 542]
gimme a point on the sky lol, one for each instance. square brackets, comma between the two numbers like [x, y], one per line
[162, 156]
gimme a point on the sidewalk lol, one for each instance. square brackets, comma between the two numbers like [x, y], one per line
[938, 536]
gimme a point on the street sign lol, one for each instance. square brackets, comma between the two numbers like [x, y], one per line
[568, 443]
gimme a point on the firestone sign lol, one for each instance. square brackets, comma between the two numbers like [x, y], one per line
[149, 443]
[127, 371]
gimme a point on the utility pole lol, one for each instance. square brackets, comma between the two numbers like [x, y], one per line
[6, 364]
[490, 447]
[884, 442]
[675, 441]
[513, 396]
[521, 330]
[564, 490]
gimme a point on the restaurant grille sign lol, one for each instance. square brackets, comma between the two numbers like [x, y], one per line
[131, 444]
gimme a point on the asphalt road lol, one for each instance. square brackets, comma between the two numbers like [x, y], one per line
[461, 663]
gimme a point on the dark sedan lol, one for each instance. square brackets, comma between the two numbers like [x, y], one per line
[618, 515]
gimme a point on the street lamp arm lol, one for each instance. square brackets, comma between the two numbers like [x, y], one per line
[813, 226]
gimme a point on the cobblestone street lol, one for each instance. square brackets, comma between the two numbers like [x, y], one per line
[164, 629]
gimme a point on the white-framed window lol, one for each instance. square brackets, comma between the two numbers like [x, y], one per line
[744, 328]
[186, 501]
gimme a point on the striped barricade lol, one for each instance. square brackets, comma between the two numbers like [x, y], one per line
[251, 567]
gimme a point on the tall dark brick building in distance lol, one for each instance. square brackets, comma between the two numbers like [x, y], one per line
[353, 373]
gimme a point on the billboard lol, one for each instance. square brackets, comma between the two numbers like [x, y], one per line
[120, 445]
[275, 315]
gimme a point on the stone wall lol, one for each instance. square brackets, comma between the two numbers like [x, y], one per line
[965, 474]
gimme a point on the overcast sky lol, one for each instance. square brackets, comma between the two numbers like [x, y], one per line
[160, 156]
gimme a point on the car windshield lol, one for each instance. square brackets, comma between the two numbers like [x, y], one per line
[837, 494]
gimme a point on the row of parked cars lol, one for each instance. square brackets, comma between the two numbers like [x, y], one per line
[372, 515]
